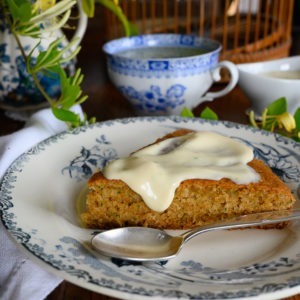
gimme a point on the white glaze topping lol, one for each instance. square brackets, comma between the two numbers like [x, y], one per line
[156, 171]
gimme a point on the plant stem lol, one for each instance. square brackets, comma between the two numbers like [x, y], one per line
[33, 74]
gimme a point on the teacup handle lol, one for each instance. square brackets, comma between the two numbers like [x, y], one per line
[234, 77]
[81, 26]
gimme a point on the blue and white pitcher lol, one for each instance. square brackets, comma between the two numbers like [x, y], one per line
[18, 92]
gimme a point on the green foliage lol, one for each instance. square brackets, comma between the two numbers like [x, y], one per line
[187, 113]
[88, 7]
[206, 113]
[25, 19]
[277, 107]
[21, 11]
[128, 27]
[297, 119]
[276, 118]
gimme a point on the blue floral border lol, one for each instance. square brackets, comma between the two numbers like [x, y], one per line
[70, 249]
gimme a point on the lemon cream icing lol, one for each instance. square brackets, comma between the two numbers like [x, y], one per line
[155, 172]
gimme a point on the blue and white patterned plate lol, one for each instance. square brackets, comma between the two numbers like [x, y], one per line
[225, 264]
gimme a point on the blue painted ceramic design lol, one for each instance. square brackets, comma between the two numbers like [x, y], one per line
[153, 100]
[18, 91]
[65, 249]
[17, 88]
[82, 166]
[146, 68]
[158, 68]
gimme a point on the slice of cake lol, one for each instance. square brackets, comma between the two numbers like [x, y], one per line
[183, 180]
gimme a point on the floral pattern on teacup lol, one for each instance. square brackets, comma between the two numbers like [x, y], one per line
[154, 100]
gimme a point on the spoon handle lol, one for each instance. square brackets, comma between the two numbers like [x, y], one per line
[243, 221]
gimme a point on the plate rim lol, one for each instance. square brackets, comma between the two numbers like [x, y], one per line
[125, 121]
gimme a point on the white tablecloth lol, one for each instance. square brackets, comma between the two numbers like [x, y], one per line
[20, 278]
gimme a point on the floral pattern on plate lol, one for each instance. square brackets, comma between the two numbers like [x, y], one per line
[225, 264]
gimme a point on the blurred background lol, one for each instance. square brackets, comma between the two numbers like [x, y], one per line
[250, 30]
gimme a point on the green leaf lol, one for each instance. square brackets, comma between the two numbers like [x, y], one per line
[34, 23]
[71, 90]
[46, 59]
[208, 114]
[65, 115]
[21, 10]
[117, 11]
[133, 29]
[187, 113]
[297, 118]
[88, 7]
[277, 107]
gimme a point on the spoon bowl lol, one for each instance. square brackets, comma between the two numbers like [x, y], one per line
[137, 243]
[149, 244]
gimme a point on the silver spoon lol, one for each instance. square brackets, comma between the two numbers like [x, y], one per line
[148, 244]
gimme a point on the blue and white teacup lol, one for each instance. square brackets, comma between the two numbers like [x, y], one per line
[160, 74]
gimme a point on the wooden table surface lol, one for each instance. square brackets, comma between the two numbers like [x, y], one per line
[106, 103]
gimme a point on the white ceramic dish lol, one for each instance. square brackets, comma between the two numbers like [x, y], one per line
[43, 219]
[262, 90]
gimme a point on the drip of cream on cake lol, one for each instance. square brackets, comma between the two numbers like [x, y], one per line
[155, 172]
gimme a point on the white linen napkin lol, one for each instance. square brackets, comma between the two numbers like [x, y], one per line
[21, 278]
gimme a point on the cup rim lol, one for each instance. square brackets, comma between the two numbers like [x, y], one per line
[258, 69]
[114, 47]
[261, 76]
